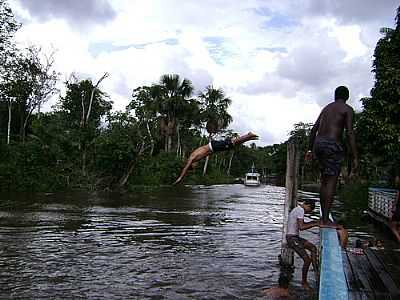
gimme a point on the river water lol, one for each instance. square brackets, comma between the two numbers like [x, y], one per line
[198, 242]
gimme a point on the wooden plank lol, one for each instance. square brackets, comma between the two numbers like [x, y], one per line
[353, 286]
[383, 274]
[332, 283]
[391, 260]
[351, 280]
[358, 271]
[361, 282]
[370, 278]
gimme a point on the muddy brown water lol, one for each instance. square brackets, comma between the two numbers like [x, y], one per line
[198, 242]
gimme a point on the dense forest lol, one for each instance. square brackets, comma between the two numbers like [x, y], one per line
[83, 143]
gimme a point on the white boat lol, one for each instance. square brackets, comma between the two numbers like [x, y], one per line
[252, 178]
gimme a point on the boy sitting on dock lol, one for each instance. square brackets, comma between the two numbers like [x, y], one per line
[300, 245]
[208, 149]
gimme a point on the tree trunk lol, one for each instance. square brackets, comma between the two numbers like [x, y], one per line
[228, 172]
[83, 111]
[205, 166]
[25, 124]
[92, 95]
[151, 139]
[178, 146]
[9, 122]
[207, 158]
[125, 178]
[169, 147]
[84, 161]
[131, 167]
[21, 124]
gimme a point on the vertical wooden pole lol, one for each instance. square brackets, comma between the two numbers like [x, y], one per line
[292, 170]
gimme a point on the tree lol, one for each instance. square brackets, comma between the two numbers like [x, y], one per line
[8, 27]
[379, 122]
[81, 98]
[32, 82]
[120, 146]
[174, 96]
[214, 111]
[144, 104]
[300, 135]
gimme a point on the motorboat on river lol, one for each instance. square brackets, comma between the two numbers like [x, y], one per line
[252, 178]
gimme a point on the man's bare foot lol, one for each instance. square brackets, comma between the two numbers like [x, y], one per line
[306, 286]
[317, 277]
[252, 135]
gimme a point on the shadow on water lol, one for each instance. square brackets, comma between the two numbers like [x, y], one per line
[198, 242]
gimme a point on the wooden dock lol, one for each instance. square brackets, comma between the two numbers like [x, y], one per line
[375, 274]
[357, 275]
[345, 274]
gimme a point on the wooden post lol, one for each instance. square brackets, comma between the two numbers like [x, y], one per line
[292, 168]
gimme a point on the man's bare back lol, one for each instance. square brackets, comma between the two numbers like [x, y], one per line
[334, 118]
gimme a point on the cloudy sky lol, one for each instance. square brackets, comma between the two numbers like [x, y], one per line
[279, 61]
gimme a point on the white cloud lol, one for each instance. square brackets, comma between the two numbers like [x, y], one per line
[278, 61]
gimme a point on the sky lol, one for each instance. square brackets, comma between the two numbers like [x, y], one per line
[279, 61]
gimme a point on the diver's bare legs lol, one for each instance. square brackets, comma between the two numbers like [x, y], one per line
[196, 155]
[328, 188]
[244, 138]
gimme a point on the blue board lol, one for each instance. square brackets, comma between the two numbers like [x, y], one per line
[332, 282]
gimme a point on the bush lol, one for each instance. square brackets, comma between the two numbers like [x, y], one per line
[354, 195]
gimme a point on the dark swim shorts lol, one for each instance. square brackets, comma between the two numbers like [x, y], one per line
[330, 155]
[217, 146]
[297, 244]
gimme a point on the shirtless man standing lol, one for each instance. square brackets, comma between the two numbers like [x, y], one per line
[326, 145]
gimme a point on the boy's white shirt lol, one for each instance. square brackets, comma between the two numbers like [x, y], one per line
[296, 213]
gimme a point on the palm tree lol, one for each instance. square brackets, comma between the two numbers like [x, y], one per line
[214, 112]
[175, 99]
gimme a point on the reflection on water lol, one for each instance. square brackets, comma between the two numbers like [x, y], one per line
[200, 242]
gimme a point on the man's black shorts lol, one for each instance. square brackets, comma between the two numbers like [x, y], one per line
[218, 146]
[330, 155]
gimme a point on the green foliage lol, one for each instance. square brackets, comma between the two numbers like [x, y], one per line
[160, 169]
[354, 195]
[378, 126]
[116, 146]
[29, 167]
[214, 109]
[8, 27]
